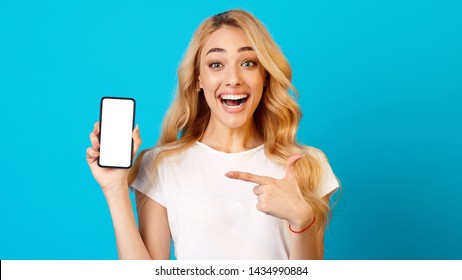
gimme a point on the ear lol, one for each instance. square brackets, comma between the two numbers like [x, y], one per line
[200, 82]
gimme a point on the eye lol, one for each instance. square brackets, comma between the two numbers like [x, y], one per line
[249, 63]
[215, 65]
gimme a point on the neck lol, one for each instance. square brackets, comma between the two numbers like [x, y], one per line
[231, 140]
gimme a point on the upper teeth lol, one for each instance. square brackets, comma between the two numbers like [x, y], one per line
[233, 96]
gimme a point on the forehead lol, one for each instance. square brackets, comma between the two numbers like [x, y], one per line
[228, 38]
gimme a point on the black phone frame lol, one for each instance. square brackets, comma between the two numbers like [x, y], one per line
[133, 127]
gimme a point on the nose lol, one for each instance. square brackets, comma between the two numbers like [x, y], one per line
[233, 77]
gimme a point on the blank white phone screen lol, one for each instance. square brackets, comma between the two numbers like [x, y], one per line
[116, 132]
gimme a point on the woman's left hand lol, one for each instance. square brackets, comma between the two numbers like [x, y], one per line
[280, 198]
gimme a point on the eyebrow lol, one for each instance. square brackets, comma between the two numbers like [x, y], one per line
[220, 50]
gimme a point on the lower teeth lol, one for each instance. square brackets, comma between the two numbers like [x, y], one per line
[241, 103]
[232, 107]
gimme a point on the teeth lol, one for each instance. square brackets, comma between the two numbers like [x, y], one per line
[233, 96]
[233, 107]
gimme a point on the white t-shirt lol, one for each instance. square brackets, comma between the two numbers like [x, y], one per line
[212, 216]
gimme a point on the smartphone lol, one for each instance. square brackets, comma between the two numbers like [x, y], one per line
[116, 124]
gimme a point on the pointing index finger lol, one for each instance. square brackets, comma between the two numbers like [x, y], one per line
[249, 177]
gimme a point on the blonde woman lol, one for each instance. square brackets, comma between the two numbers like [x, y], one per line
[228, 179]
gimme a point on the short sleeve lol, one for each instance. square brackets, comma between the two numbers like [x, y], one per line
[147, 180]
[329, 181]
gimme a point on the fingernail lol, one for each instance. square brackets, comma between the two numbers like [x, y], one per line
[229, 174]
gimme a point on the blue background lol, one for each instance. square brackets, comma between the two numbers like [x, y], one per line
[380, 84]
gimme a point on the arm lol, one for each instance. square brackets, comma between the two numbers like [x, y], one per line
[282, 199]
[153, 227]
[152, 240]
[308, 244]
[131, 244]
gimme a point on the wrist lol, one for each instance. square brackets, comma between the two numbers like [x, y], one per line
[115, 190]
[304, 228]
[302, 218]
[301, 224]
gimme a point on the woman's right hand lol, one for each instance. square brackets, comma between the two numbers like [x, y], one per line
[109, 178]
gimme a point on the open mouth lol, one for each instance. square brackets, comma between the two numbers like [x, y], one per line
[234, 100]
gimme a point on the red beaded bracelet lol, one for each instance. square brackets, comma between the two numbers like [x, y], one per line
[295, 231]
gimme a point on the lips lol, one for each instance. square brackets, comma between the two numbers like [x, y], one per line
[233, 100]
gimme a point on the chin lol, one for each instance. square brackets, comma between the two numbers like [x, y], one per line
[234, 123]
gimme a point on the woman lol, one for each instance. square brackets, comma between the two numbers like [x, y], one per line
[228, 179]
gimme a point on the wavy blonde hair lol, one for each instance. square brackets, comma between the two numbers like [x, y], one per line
[277, 116]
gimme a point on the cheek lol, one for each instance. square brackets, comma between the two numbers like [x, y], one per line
[209, 97]
[210, 81]
[209, 87]
[207, 77]
[257, 84]
[209, 93]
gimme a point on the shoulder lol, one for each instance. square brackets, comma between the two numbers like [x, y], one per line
[328, 181]
[314, 152]
[148, 156]
[320, 157]
[163, 153]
